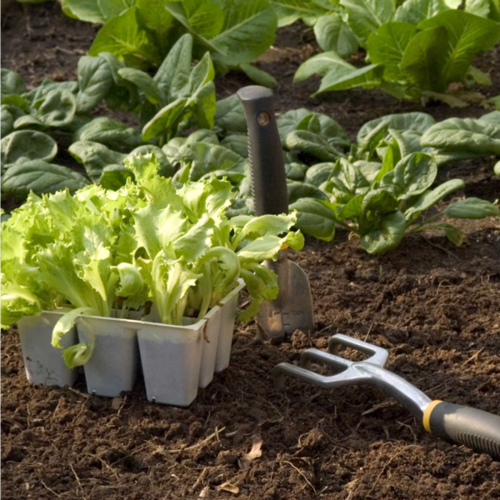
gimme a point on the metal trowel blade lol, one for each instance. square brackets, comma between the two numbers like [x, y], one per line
[292, 309]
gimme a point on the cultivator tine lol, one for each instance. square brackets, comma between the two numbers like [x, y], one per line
[378, 354]
[310, 355]
[347, 377]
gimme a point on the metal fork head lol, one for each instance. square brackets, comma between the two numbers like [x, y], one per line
[369, 371]
[348, 375]
[378, 356]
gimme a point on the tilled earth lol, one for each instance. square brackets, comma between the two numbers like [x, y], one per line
[435, 307]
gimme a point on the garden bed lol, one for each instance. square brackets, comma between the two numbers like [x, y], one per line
[434, 306]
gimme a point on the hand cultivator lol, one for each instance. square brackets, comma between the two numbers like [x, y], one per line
[473, 428]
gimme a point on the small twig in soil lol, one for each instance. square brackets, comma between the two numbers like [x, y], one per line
[77, 479]
[384, 404]
[108, 466]
[51, 490]
[201, 443]
[303, 475]
[411, 430]
[474, 356]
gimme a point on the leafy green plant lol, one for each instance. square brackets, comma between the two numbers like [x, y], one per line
[100, 252]
[416, 50]
[381, 203]
[141, 32]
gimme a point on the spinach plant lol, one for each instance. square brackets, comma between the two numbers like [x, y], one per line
[416, 50]
[381, 203]
[141, 32]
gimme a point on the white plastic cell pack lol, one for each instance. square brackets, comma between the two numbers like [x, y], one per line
[175, 360]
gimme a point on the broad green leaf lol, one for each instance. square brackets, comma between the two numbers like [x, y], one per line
[157, 229]
[229, 115]
[259, 76]
[249, 30]
[464, 134]
[289, 11]
[378, 202]
[124, 37]
[478, 7]
[325, 127]
[95, 157]
[365, 16]
[386, 236]
[56, 110]
[404, 122]
[113, 8]
[333, 34]
[66, 323]
[143, 82]
[195, 241]
[414, 11]
[204, 17]
[478, 76]
[468, 36]
[17, 302]
[166, 120]
[429, 198]
[203, 158]
[352, 209]
[311, 143]
[342, 78]
[16, 100]
[314, 218]
[40, 177]
[85, 10]
[236, 143]
[413, 174]
[423, 59]
[454, 234]
[27, 145]
[471, 208]
[322, 64]
[173, 74]
[267, 247]
[7, 122]
[165, 168]
[387, 47]
[108, 132]
[94, 82]
[114, 177]
[319, 173]
[156, 18]
[298, 190]
[11, 83]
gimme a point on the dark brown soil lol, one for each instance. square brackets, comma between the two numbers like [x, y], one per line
[435, 307]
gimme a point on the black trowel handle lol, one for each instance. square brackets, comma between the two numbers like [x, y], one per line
[265, 152]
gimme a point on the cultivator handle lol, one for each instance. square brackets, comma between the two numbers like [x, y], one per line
[265, 152]
[476, 429]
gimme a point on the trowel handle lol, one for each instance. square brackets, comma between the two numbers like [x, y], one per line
[476, 429]
[265, 151]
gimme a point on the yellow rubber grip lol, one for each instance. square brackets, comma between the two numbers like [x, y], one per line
[427, 414]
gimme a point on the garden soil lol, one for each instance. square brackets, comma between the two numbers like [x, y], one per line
[435, 307]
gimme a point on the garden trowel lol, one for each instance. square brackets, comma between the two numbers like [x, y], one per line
[292, 309]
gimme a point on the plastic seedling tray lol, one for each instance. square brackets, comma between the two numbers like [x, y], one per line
[171, 361]
[228, 307]
[210, 342]
[42, 362]
[114, 364]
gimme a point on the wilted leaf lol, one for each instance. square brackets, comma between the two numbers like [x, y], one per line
[246, 460]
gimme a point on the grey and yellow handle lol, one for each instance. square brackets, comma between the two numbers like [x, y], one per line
[476, 429]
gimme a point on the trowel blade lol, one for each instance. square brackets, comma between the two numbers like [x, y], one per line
[292, 310]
